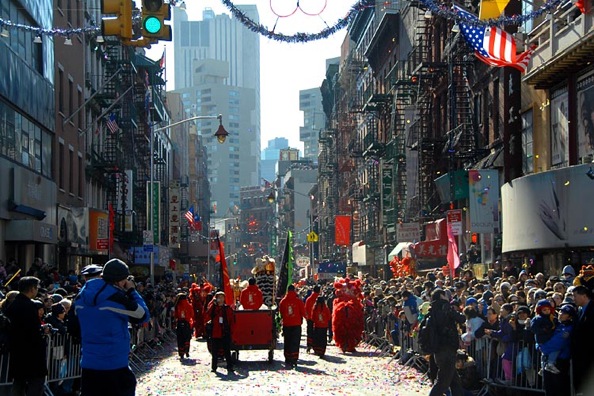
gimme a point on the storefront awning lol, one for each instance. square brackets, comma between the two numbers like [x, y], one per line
[396, 251]
[31, 231]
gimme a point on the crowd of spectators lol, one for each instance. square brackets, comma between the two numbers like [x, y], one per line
[55, 300]
[518, 308]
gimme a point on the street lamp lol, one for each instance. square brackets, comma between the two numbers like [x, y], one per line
[221, 135]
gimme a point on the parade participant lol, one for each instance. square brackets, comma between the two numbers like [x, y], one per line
[28, 364]
[198, 307]
[321, 317]
[445, 321]
[251, 296]
[104, 308]
[219, 327]
[183, 312]
[347, 314]
[292, 311]
[309, 304]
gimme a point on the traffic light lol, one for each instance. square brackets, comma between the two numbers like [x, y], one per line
[154, 15]
[121, 24]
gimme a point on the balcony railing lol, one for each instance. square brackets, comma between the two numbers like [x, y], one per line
[560, 42]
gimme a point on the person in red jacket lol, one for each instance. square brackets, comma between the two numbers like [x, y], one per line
[184, 315]
[221, 316]
[292, 311]
[321, 317]
[309, 304]
[251, 296]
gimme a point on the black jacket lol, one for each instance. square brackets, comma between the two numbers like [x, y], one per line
[27, 343]
[582, 347]
[446, 321]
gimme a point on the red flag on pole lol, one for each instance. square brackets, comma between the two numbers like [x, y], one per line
[229, 297]
[453, 258]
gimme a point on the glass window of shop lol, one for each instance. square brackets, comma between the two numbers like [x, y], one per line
[22, 141]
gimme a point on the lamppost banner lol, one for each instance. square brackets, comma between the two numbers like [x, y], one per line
[154, 218]
[342, 232]
[484, 200]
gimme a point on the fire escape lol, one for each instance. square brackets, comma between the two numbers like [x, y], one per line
[109, 157]
[422, 137]
[328, 183]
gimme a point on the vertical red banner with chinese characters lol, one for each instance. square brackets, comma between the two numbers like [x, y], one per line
[342, 230]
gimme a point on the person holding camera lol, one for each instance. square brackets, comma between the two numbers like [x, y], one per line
[219, 326]
[27, 345]
[104, 308]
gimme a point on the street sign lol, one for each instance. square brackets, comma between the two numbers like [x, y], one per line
[147, 240]
[312, 237]
[455, 221]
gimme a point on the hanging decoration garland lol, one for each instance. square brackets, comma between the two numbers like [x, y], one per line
[39, 31]
[299, 37]
[449, 13]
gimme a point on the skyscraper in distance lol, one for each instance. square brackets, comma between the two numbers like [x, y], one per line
[217, 71]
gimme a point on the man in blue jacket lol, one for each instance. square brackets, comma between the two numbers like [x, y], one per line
[104, 307]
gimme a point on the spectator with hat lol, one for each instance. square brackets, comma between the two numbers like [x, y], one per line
[104, 308]
[92, 271]
[557, 383]
[582, 347]
[28, 363]
[543, 326]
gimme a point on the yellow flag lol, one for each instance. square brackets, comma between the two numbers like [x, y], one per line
[492, 8]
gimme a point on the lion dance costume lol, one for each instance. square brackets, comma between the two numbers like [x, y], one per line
[347, 314]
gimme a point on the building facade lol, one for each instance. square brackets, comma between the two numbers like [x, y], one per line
[230, 56]
[28, 191]
[234, 163]
[314, 120]
[270, 157]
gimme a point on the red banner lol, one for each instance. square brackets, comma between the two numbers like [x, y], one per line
[226, 287]
[342, 231]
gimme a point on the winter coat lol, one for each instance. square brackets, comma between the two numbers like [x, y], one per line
[27, 344]
[411, 310]
[222, 320]
[292, 310]
[445, 320]
[321, 316]
[309, 304]
[251, 297]
[104, 312]
[560, 341]
[543, 327]
[507, 335]
[184, 311]
[472, 325]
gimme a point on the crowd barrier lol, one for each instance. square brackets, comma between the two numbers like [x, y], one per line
[400, 341]
[64, 352]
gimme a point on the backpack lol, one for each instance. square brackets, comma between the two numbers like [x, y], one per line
[4, 329]
[428, 337]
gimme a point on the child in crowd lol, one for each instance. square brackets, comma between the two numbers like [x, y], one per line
[543, 326]
[473, 323]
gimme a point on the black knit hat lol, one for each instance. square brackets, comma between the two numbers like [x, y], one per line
[115, 270]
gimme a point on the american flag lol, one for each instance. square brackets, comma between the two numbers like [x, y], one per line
[112, 124]
[194, 220]
[493, 45]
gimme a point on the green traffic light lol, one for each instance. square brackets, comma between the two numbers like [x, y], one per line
[152, 24]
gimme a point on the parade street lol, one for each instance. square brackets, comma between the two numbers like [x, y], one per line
[361, 373]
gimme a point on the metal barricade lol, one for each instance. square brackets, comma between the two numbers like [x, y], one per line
[518, 371]
[63, 358]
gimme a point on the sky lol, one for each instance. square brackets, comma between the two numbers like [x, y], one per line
[284, 68]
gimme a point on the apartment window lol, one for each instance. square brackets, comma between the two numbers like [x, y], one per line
[69, 12]
[60, 169]
[71, 171]
[60, 88]
[527, 143]
[80, 175]
[70, 97]
[81, 112]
